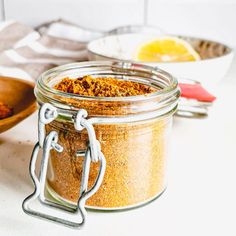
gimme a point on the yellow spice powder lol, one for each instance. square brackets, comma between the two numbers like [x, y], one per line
[135, 154]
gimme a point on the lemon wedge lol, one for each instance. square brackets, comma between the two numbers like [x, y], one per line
[166, 49]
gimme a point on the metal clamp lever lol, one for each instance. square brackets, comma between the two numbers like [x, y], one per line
[39, 183]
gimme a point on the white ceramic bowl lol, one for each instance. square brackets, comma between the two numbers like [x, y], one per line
[214, 64]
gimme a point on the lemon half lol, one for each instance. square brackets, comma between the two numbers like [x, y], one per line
[166, 49]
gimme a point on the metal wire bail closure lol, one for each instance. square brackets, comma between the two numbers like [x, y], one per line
[47, 114]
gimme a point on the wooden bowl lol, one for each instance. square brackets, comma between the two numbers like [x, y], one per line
[19, 95]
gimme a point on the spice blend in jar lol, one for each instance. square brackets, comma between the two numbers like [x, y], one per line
[141, 101]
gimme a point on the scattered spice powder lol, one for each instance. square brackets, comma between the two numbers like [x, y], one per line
[5, 111]
[135, 152]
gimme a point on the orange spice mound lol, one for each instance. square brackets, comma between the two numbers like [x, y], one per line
[103, 87]
[5, 111]
[135, 152]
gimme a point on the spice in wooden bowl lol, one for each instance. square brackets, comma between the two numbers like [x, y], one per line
[5, 111]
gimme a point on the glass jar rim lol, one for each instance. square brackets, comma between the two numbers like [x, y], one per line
[168, 90]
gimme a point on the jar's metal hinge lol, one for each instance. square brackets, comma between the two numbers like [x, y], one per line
[47, 114]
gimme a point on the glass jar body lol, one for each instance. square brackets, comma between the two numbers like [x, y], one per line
[133, 133]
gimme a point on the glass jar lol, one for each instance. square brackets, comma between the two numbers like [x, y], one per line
[132, 131]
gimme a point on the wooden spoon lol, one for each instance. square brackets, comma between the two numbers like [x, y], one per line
[19, 95]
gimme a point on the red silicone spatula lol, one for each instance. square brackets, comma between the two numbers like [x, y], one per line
[195, 99]
[196, 91]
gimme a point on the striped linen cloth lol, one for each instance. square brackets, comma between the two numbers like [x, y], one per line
[26, 52]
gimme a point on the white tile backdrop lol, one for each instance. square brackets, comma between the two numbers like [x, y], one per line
[210, 19]
[214, 19]
[95, 14]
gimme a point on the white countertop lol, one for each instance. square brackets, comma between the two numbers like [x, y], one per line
[201, 194]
